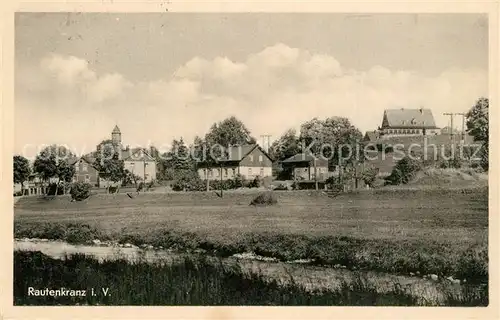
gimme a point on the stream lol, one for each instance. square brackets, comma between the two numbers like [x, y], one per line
[310, 277]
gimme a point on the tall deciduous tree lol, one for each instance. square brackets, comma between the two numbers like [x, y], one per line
[108, 163]
[47, 162]
[65, 172]
[230, 131]
[22, 170]
[286, 146]
[334, 138]
[478, 127]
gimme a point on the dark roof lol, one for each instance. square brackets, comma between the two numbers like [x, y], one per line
[72, 160]
[87, 158]
[371, 136]
[238, 153]
[408, 118]
[136, 154]
[300, 157]
[116, 130]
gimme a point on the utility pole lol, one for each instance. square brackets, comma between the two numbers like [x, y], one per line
[463, 125]
[221, 187]
[451, 121]
[452, 133]
[315, 173]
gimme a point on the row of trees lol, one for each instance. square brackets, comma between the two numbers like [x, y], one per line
[317, 136]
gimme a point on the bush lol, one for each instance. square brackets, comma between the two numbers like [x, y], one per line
[451, 163]
[238, 181]
[282, 186]
[333, 183]
[52, 189]
[81, 233]
[370, 176]
[255, 183]
[80, 191]
[404, 171]
[267, 198]
[188, 180]
[140, 186]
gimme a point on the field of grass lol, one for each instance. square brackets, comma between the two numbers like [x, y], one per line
[398, 231]
[194, 281]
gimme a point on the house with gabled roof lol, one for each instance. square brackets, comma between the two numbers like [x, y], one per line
[85, 170]
[306, 166]
[249, 161]
[406, 122]
[140, 162]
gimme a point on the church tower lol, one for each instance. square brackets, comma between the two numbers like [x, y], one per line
[116, 136]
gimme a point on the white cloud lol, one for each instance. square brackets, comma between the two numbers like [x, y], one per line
[271, 91]
[69, 70]
[74, 73]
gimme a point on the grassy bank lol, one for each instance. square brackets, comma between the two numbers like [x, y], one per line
[401, 257]
[192, 282]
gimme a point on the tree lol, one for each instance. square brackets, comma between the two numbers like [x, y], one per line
[130, 177]
[22, 170]
[180, 157]
[198, 149]
[64, 173]
[228, 132]
[478, 127]
[404, 171]
[47, 162]
[286, 146]
[108, 163]
[334, 138]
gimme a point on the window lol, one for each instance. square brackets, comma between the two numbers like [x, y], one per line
[216, 172]
[260, 158]
[84, 167]
[77, 167]
[87, 178]
[251, 157]
[250, 171]
[261, 172]
[225, 172]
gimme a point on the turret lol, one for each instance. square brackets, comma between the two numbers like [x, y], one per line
[116, 136]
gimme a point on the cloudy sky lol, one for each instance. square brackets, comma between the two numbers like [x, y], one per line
[165, 76]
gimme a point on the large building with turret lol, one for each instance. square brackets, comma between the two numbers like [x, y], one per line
[137, 160]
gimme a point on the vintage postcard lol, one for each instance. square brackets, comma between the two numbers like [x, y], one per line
[250, 157]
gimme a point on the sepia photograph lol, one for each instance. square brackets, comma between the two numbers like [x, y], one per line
[251, 159]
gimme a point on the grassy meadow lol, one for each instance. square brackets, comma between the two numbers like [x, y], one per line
[194, 281]
[435, 231]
